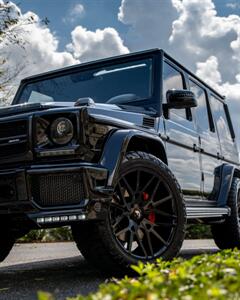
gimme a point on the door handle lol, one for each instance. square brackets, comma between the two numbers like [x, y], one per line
[164, 137]
[219, 156]
[195, 148]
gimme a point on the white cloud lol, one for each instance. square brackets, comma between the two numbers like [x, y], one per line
[75, 13]
[233, 5]
[41, 53]
[192, 32]
[87, 45]
[38, 54]
[150, 22]
[208, 70]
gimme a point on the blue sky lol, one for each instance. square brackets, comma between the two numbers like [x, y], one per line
[203, 35]
[98, 14]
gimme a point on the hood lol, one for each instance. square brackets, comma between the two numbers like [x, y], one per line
[32, 107]
[23, 108]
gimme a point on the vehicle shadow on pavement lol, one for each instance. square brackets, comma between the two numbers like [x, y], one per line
[65, 277]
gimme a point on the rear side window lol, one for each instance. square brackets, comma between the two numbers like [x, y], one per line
[220, 119]
[201, 110]
[172, 79]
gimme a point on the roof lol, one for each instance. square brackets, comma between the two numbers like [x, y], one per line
[115, 58]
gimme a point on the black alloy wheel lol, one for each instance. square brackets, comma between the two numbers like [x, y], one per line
[145, 219]
[143, 213]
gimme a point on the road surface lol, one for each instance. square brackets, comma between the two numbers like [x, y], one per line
[58, 268]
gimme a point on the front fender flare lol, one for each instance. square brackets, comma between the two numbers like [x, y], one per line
[115, 148]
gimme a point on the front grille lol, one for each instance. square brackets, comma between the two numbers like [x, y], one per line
[13, 128]
[57, 189]
[13, 138]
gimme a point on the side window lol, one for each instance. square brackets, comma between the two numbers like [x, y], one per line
[172, 79]
[220, 119]
[201, 110]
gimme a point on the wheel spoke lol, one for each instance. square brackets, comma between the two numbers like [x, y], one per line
[153, 195]
[171, 225]
[122, 231]
[118, 221]
[122, 196]
[163, 224]
[156, 203]
[117, 206]
[164, 214]
[140, 243]
[148, 183]
[148, 240]
[130, 190]
[159, 237]
[130, 241]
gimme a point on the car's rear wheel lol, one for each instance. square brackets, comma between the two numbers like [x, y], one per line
[145, 219]
[227, 235]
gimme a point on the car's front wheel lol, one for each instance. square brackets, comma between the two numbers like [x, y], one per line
[145, 220]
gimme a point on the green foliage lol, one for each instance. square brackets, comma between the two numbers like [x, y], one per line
[198, 232]
[64, 234]
[45, 296]
[203, 277]
[47, 235]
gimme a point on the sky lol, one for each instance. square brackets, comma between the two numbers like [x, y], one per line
[203, 35]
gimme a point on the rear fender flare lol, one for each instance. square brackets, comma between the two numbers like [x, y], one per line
[226, 173]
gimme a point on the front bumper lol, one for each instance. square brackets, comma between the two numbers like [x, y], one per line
[55, 193]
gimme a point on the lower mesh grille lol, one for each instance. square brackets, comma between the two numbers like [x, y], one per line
[57, 190]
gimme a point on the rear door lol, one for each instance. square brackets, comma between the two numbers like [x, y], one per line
[224, 128]
[208, 138]
[181, 137]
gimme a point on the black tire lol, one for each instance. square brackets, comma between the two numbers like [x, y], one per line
[6, 244]
[227, 235]
[112, 251]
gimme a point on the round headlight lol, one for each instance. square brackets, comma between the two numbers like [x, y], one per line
[62, 131]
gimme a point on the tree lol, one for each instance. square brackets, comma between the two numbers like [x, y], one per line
[12, 24]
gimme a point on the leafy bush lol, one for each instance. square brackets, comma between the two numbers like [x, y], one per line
[47, 235]
[198, 232]
[64, 234]
[203, 277]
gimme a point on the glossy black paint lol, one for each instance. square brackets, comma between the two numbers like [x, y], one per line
[104, 133]
[116, 147]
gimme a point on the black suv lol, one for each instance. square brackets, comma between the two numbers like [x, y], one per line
[125, 150]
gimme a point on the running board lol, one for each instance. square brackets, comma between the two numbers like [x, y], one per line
[207, 212]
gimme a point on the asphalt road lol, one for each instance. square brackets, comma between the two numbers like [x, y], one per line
[60, 269]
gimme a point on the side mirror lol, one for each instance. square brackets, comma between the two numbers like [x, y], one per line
[180, 99]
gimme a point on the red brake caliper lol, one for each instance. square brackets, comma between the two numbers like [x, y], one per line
[151, 216]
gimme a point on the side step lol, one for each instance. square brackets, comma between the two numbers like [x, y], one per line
[207, 212]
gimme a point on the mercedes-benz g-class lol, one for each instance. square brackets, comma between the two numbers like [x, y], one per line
[125, 150]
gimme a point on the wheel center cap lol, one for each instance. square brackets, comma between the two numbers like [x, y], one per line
[137, 214]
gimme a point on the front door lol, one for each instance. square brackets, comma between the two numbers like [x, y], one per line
[182, 138]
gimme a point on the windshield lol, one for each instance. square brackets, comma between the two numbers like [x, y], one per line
[126, 84]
